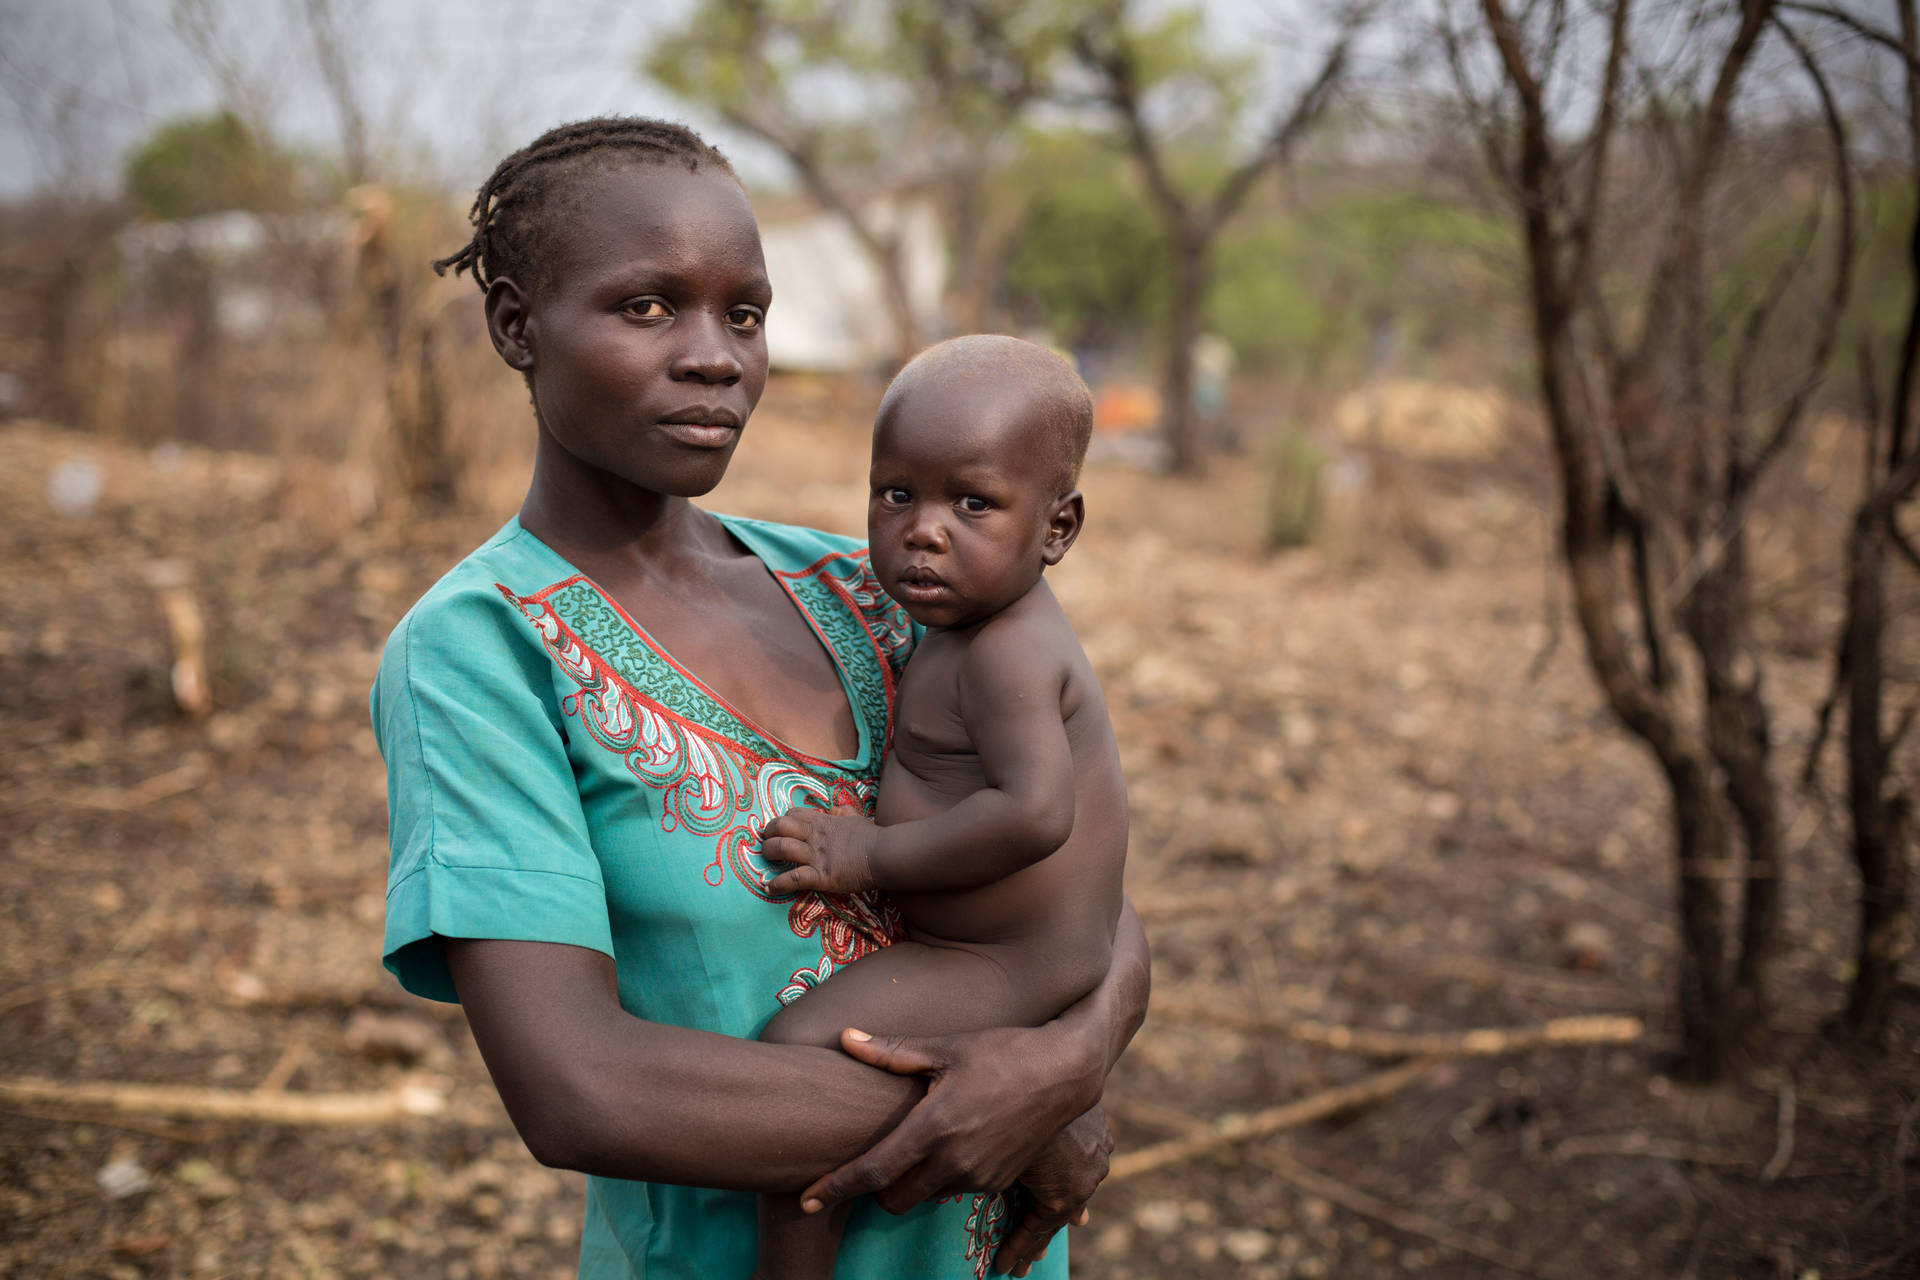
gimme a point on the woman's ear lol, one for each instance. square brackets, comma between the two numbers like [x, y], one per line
[1064, 523]
[510, 323]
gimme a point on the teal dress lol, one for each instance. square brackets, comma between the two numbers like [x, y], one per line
[553, 775]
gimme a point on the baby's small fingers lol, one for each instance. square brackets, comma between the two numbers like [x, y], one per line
[786, 849]
[798, 880]
[790, 824]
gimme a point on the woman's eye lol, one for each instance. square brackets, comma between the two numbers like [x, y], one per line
[745, 318]
[975, 503]
[646, 308]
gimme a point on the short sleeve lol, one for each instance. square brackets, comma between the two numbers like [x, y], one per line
[484, 822]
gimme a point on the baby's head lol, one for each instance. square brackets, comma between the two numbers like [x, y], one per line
[976, 450]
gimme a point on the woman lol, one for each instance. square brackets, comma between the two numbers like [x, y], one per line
[572, 793]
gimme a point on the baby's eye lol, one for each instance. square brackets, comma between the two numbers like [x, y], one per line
[646, 308]
[746, 318]
[897, 496]
[975, 503]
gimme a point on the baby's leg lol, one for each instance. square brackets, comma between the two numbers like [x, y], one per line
[906, 989]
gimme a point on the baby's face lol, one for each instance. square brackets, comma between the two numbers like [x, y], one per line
[962, 516]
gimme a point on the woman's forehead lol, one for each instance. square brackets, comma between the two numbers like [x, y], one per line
[659, 218]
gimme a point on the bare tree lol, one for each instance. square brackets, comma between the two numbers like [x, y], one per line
[1662, 445]
[1117, 51]
[1880, 808]
[936, 83]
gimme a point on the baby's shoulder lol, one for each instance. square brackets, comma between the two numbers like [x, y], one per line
[1029, 641]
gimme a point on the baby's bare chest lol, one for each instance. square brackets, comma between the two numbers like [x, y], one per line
[929, 736]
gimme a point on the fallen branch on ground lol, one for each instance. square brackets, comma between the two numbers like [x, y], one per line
[1545, 984]
[1638, 1143]
[1347, 1197]
[1405, 1220]
[1477, 1043]
[409, 1098]
[1237, 1129]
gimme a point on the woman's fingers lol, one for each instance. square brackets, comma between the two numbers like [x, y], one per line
[1026, 1243]
[902, 1055]
[880, 1167]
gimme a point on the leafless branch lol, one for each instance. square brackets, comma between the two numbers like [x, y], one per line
[1835, 14]
[1289, 127]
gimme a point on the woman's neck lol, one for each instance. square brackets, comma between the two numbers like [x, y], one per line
[601, 523]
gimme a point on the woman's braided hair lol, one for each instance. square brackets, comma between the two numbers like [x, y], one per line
[511, 215]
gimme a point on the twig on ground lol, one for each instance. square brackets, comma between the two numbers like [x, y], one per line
[1697, 1246]
[293, 998]
[407, 1099]
[275, 1081]
[1547, 985]
[1405, 1220]
[1783, 1145]
[1902, 1148]
[1238, 1129]
[1368, 1043]
[164, 786]
[1638, 1143]
[1172, 906]
[172, 1133]
[1349, 1197]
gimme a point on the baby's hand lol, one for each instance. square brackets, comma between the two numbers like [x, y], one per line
[831, 852]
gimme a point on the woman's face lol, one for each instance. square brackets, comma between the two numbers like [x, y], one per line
[645, 348]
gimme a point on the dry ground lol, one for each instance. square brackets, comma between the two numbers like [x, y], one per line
[1352, 803]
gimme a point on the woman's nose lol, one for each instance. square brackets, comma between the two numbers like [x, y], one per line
[706, 355]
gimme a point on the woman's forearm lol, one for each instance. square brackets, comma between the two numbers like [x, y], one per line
[594, 1089]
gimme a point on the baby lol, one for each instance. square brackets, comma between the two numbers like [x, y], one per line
[1002, 817]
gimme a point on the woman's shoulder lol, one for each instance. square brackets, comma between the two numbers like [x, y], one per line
[472, 619]
[790, 547]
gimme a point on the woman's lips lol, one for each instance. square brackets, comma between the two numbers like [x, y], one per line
[701, 426]
[700, 435]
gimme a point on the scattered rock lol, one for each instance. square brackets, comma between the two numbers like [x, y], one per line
[1159, 1217]
[1247, 1245]
[1587, 944]
[393, 1037]
[122, 1176]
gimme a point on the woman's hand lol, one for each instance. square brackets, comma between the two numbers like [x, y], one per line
[995, 1101]
[1061, 1181]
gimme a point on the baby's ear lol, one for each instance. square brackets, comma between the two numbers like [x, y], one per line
[1064, 523]
[509, 323]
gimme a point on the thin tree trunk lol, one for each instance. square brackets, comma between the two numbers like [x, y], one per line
[890, 259]
[1738, 736]
[1886, 934]
[1180, 423]
[1709, 1026]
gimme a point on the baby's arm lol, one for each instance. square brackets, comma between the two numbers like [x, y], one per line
[1010, 685]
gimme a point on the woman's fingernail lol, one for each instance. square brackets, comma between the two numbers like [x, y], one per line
[853, 1034]
[811, 1206]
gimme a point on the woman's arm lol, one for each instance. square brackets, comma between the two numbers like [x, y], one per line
[1069, 1056]
[592, 1088]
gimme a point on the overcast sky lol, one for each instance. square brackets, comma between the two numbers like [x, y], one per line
[458, 83]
